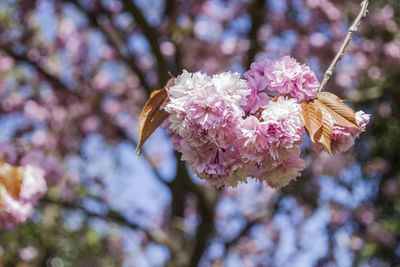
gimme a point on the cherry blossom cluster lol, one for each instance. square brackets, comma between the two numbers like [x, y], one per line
[227, 128]
[285, 76]
[17, 209]
[24, 178]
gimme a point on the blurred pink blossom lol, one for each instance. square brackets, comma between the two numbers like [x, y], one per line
[15, 210]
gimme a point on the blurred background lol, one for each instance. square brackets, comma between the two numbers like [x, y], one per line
[74, 75]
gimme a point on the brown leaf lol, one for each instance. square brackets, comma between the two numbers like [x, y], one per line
[11, 178]
[322, 113]
[324, 134]
[342, 114]
[152, 116]
[312, 117]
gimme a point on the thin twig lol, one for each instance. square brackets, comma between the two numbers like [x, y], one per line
[361, 15]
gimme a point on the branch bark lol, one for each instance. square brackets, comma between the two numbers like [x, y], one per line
[151, 35]
[116, 40]
[256, 11]
[59, 85]
[250, 224]
[353, 28]
[54, 81]
[114, 216]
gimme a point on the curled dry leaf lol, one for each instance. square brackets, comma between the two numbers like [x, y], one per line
[152, 116]
[10, 178]
[324, 135]
[322, 113]
[312, 116]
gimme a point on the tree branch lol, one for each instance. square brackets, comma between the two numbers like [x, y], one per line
[151, 35]
[59, 85]
[256, 11]
[244, 231]
[353, 28]
[207, 198]
[133, 142]
[114, 216]
[115, 39]
[207, 208]
[249, 225]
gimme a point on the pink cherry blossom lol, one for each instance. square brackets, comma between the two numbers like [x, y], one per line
[272, 145]
[206, 109]
[343, 137]
[232, 86]
[34, 185]
[15, 210]
[257, 82]
[253, 140]
[50, 165]
[287, 76]
[218, 168]
[284, 172]
[256, 76]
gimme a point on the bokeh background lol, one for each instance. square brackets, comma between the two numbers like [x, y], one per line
[74, 75]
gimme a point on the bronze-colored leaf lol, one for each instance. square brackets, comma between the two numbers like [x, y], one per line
[312, 117]
[152, 116]
[342, 114]
[11, 178]
[324, 134]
